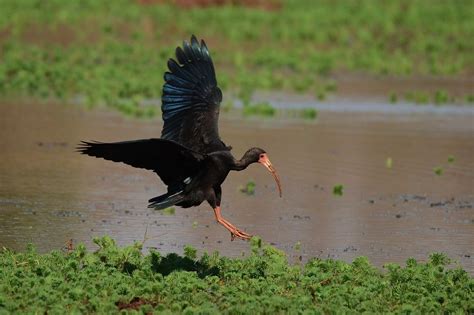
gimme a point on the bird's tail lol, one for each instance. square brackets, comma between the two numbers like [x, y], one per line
[166, 200]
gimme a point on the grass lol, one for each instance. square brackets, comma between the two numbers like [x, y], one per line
[115, 52]
[113, 279]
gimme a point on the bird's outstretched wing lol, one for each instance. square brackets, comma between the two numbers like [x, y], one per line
[191, 99]
[171, 161]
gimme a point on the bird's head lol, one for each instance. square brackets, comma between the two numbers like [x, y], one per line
[259, 155]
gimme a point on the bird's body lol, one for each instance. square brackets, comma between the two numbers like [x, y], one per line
[190, 158]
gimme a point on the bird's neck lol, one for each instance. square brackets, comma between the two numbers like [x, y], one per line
[241, 164]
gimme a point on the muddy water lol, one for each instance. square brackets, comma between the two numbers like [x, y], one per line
[50, 194]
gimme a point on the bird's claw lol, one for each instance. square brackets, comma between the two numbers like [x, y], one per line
[240, 234]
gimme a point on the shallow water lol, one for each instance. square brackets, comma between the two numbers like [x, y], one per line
[50, 194]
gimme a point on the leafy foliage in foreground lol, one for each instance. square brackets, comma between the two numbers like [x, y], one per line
[114, 278]
[115, 52]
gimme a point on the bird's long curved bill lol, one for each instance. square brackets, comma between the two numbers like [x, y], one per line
[266, 162]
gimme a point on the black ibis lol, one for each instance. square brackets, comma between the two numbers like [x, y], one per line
[190, 158]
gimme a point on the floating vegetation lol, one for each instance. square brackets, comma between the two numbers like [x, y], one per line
[297, 246]
[117, 50]
[418, 97]
[338, 190]
[451, 159]
[249, 188]
[263, 109]
[441, 97]
[438, 170]
[393, 98]
[122, 279]
[321, 95]
[330, 86]
[389, 162]
[168, 211]
[309, 113]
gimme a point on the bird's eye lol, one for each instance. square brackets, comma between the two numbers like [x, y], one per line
[262, 156]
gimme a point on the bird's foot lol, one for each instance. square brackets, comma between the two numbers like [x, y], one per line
[239, 234]
[234, 232]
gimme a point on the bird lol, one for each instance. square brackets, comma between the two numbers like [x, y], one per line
[189, 157]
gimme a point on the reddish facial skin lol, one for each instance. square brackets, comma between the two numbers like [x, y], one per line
[266, 162]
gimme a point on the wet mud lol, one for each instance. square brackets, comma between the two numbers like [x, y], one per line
[49, 194]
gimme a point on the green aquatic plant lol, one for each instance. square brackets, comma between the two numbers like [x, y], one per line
[297, 246]
[168, 211]
[418, 97]
[438, 170]
[338, 190]
[309, 113]
[249, 188]
[115, 279]
[393, 98]
[321, 95]
[441, 97]
[470, 98]
[330, 86]
[109, 52]
[263, 109]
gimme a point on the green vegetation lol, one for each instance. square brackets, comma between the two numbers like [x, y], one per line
[438, 170]
[389, 162]
[338, 190]
[393, 98]
[249, 188]
[451, 159]
[263, 109]
[418, 97]
[112, 279]
[297, 246]
[470, 98]
[309, 113]
[441, 97]
[168, 211]
[115, 52]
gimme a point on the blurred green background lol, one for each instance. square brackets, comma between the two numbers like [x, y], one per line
[115, 52]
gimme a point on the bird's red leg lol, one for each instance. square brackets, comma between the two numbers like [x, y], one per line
[234, 232]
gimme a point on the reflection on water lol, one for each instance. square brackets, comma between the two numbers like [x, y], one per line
[49, 193]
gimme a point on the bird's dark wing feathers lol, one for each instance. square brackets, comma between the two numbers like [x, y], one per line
[170, 160]
[191, 99]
